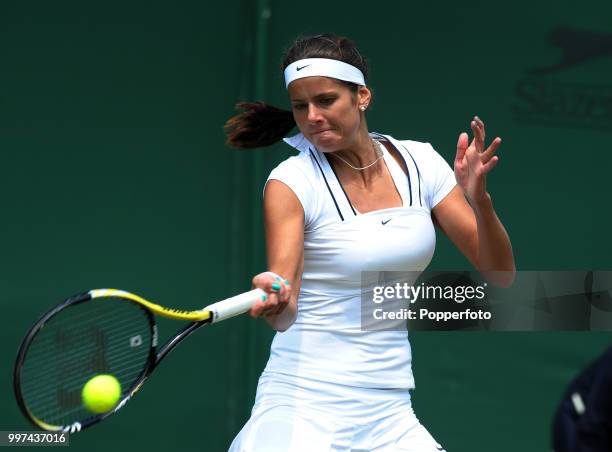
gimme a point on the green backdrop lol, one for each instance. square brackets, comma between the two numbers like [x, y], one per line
[114, 173]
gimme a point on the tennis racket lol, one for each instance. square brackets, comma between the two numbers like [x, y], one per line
[103, 331]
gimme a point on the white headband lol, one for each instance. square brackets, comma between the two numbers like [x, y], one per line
[324, 67]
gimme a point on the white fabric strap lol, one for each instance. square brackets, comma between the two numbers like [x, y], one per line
[323, 67]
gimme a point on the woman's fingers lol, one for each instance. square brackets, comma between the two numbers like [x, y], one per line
[479, 133]
[489, 165]
[481, 126]
[278, 294]
[478, 129]
[267, 306]
[462, 145]
[279, 286]
[486, 155]
[473, 162]
[275, 310]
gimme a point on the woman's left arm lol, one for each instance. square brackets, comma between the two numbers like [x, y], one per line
[466, 214]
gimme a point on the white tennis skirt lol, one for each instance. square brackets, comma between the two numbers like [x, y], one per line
[298, 415]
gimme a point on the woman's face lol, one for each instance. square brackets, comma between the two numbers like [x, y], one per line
[327, 112]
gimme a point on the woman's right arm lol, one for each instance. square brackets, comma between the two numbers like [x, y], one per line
[284, 224]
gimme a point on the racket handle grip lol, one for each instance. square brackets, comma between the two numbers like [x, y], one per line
[234, 306]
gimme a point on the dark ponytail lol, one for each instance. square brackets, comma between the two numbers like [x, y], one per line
[258, 125]
[261, 124]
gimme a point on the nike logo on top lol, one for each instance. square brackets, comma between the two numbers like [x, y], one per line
[297, 68]
[385, 222]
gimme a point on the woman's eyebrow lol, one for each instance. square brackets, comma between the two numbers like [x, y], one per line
[325, 94]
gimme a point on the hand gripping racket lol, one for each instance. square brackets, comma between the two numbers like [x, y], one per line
[103, 331]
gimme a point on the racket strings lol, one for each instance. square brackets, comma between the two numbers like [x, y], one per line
[101, 336]
[47, 354]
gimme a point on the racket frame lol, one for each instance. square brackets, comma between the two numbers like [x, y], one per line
[215, 312]
[153, 359]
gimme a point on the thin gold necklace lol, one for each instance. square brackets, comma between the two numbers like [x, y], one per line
[376, 146]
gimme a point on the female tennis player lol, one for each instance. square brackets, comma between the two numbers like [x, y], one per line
[350, 201]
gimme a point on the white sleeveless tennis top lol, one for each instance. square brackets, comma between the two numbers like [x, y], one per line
[326, 342]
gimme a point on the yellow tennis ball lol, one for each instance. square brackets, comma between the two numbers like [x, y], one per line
[101, 393]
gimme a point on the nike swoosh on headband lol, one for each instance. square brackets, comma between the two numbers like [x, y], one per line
[323, 67]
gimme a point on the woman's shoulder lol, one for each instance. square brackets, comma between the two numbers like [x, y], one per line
[300, 164]
[299, 174]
